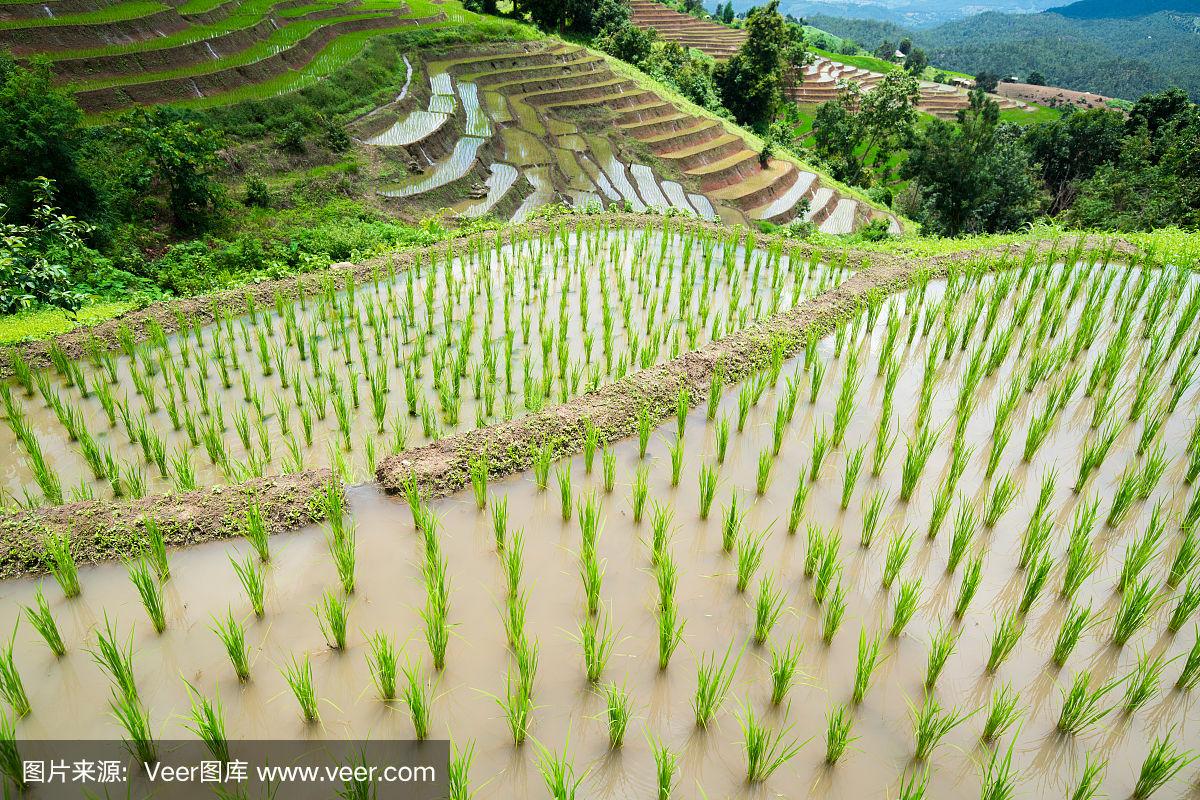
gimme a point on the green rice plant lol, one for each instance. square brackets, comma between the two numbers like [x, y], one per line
[1186, 558]
[907, 600]
[11, 686]
[12, 765]
[708, 488]
[500, 521]
[1035, 581]
[458, 772]
[558, 773]
[134, 720]
[1001, 498]
[941, 647]
[232, 634]
[838, 725]
[917, 452]
[1142, 550]
[872, 515]
[899, 546]
[596, 640]
[1189, 676]
[969, 585]
[252, 576]
[713, 681]
[670, 632]
[854, 462]
[645, 424]
[766, 749]
[1164, 761]
[763, 477]
[784, 664]
[254, 527]
[1004, 638]
[299, 677]
[608, 460]
[962, 536]
[42, 620]
[477, 468]
[542, 458]
[566, 498]
[941, 507]
[1095, 452]
[1185, 606]
[666, 767]
[868, 660]
[997, 781]
[749, 557]
[885, 441]
[1124, 496]
[715, 386]
[1082, 705]
[517, 705]
[721, 432]
[799, 502]
[417, 695]
[816, 378]
[820, 449]
[331, 614]
[640, 491]
[1078, 620]
[1083, 558]
[768, 607]
[835, 610]
[156, 548]
[1003, 712]
[931, 724]
[1138, 604]
[1090, 779]
[61, 562]
[913, 785]
[1142, 683]
[207, 723]
[618, 712]
[382, 661]
[342, 549]
[150, 591]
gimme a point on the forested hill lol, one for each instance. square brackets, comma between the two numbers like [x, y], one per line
[1114, 9]
[1119, 57]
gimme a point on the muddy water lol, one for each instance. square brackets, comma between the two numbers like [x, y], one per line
[612, 251]
[68, 696]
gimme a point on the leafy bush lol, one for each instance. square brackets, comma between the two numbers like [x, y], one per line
[36, 259]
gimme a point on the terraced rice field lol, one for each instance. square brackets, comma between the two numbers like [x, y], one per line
[578, 132]
[821, 80]
[949, 550]
[481, 331]
[118, 55]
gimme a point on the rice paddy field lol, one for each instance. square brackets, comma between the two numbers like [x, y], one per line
[940, 543]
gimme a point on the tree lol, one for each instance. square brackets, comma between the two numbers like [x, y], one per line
[628, 43]
[693, 7]
[41, 135]
[183, 157]
[578, 16]
[905, 46]
[916, 62]
[36, 258]
[886, 51]
[1036, 78]
[861, 129]
[1069, 150]
[751, 82]
[973, 177]
[987, 81]
[727, 16]
[1154, 111]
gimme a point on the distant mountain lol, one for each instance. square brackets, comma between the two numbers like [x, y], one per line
[1114, 56]
[1122, 9]
[912, 13]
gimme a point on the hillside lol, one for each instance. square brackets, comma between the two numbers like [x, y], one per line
[1112, 9]
[1116, 57]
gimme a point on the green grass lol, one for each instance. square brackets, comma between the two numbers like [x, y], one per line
[41, 323]
[132, 9]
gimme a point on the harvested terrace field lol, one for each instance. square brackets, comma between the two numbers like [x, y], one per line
[1052, 96]
[930, 533]
[503, 129]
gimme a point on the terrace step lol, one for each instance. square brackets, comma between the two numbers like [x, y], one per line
[783, 207]
[709, 151]
[740, 164]
[759, 188]
[841, 219]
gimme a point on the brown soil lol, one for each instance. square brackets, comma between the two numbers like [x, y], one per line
[1052, 96]
[104, 530]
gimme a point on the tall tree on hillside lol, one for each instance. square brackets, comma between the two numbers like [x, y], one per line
[751, 83]
[861, 129]
[1069, 150]
[916, 61]
[973, 176]
[728, 14]
[42, 133]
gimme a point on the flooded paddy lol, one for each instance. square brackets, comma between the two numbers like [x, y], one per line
[483, 331]
[1048, 376]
